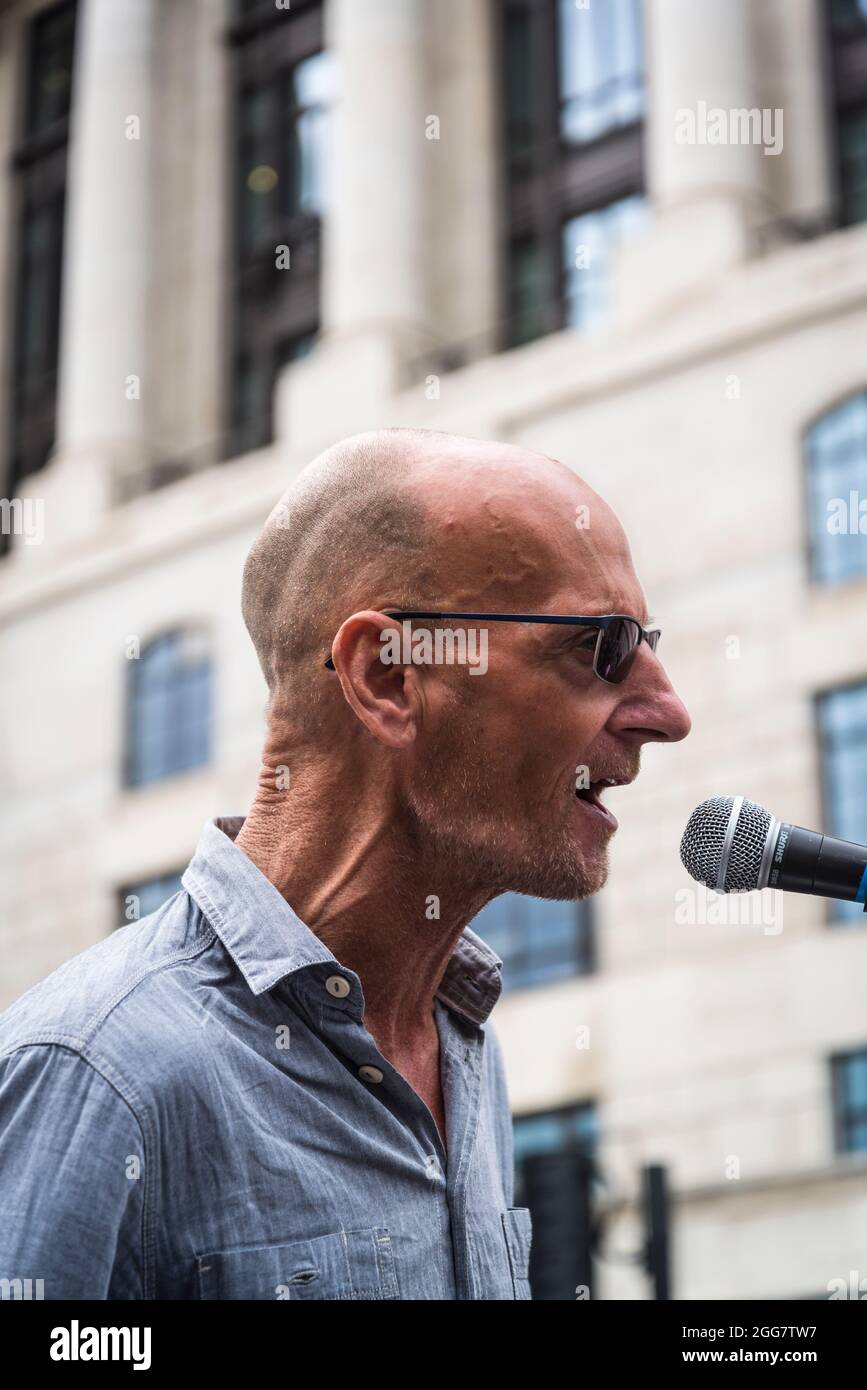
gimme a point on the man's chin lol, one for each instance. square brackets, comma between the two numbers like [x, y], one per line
[560, 868]
[568, 876]
[560, 887]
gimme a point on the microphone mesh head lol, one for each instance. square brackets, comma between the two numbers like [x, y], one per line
[701, 848]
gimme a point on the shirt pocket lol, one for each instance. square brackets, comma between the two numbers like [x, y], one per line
[518, 1230]
[341, 1265]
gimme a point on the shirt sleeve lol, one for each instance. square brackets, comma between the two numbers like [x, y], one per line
[71, 1179]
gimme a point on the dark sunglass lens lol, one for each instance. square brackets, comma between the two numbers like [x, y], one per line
[617, 650]
[653, 640]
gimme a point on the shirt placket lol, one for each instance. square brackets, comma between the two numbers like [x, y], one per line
[462, 1057]
[337, 1014]
[334, 1006]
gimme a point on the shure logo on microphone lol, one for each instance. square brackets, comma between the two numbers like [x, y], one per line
[782, 841]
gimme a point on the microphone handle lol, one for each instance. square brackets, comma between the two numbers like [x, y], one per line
[806, 862]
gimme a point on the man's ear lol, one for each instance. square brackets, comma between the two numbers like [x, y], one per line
[384, 691]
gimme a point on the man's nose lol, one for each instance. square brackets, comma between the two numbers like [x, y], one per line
[650, 710]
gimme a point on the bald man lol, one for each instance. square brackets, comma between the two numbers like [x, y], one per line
[285, 1083]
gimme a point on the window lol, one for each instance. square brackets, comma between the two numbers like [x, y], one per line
[848, 29]
[843, 734]
[588, 243]
[554, 1131]
[539, 941]
[836, 449]
[140, 899]
[169, 708]
[573, 98]
[600, 68]
[283, 82]
[39, 165]
[849, 1089]
[554, 1175]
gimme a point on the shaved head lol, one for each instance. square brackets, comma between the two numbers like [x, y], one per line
[475, 776]
[384, 518]
[400, 790]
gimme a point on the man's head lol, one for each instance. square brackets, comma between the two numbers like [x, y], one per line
[479, 769]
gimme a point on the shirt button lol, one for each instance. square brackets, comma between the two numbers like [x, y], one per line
[336, 985]
[370, 1073]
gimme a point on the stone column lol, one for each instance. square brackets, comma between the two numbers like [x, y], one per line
[378, 238]
[700, 57]
[708, 198]
[105, 385]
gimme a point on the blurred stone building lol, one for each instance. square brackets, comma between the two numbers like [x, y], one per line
[631, 236]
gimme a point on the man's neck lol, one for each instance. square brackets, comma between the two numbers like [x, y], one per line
[371, 896]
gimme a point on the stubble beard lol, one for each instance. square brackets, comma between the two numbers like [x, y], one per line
[454, 805]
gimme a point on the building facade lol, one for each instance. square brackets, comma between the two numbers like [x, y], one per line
[630, 235]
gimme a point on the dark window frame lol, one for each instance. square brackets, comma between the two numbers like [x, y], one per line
[846, 45]
[842, 1112]
[270, 312]
[542, 1276]
[557, 179]
[561, 1114]
[585, 952]
[39, 168]
[569, 1109]
[834, 919]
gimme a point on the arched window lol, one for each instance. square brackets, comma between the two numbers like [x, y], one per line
[169, 707]
[836, 447]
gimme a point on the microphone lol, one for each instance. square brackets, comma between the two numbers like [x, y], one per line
[733, 845]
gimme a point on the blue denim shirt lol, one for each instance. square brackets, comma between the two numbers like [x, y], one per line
[193, 1108]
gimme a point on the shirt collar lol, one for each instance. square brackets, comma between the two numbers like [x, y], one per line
[268, 941]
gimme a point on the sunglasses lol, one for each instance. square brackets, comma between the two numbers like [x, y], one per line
[616, 645]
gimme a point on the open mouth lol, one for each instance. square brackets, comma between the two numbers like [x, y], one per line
[590, 797]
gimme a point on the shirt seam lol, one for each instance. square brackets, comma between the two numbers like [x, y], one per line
[92, 1025]
[130, 985]
[103, 1068]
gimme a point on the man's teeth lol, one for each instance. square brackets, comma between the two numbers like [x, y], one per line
[596, 785]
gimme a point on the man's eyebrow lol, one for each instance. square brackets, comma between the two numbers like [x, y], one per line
[559, 632]
[647, 621]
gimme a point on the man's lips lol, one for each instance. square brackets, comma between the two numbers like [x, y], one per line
[589, 797]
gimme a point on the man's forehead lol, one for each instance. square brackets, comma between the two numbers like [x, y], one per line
[629, 601]
[593, 573]
[518, 534]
